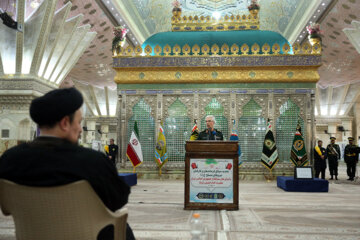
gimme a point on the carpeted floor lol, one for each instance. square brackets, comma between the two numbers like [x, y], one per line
[266, 212]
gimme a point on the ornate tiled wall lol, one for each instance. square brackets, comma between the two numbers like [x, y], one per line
[250, 108]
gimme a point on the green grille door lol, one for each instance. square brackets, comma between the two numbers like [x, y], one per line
[217, 110]
[177, 131]
[285, 129]
[252, 128]
[146, 125]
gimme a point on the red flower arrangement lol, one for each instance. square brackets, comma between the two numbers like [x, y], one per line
[176, 5]
[254, 5]
[120, 33]
[314, 30]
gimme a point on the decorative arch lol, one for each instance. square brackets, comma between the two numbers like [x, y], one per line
[177, 130]
[252, 128]
[216, 109]
[24, 129]
[146, 126]
[286, 125]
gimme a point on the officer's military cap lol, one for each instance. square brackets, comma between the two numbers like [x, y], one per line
[55, 105]
[333, 138]
[350, 138]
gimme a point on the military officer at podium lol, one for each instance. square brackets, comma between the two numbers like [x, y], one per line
[333, 153]
[210, 133]
[351, 156]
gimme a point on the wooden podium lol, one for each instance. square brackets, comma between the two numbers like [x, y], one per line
[211, 175]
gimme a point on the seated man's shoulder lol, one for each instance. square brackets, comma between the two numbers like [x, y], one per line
[16, 150]
[89, 151]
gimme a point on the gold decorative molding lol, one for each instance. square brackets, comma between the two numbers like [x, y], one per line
[208, 23]
[225, 50]
[186, 75]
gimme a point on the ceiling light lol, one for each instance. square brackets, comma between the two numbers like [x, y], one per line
[319, 10]
[108, 2]
[323, 4]
[120, 20]
[112, 8]
[216, 15]
[34, 4]
[314, 16]
[301, 36]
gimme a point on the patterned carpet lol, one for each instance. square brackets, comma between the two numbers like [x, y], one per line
[265, 212]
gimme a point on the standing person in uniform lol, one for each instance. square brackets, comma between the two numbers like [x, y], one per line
[54, 158]
[210, 133]
[333, 154]
[320, 160]
[351, 156]
[113, 151]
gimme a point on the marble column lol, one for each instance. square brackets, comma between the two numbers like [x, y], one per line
[357, 121]
[104, 134]
[332, 129]
[91, 127]
[347, 124]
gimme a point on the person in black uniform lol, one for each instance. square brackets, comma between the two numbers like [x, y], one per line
[333, 154]
[320, 160]
[210, 133]
[54, 158]
[351, 156]
[113, 151]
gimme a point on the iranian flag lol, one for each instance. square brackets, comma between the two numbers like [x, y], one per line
[133, 151]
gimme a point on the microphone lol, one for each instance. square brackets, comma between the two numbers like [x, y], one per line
[209, 133]
[214, 133]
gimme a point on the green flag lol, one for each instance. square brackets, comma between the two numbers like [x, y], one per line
[298, 152]
[270, 155]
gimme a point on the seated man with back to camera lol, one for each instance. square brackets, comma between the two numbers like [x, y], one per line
[54, 158]
[210, 133]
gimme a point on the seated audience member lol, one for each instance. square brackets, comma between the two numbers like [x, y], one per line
[54, 158]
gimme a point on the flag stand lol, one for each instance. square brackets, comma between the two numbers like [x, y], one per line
[270, 177]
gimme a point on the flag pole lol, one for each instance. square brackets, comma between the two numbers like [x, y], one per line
[269, 178]
[159, 171]
[134, 170]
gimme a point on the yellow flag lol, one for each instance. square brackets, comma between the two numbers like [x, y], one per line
[161, 156]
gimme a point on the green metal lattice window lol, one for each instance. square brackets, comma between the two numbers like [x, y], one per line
[146, 127]
[217, 110]
[177, 131]
[252, 128]
[285, 129]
